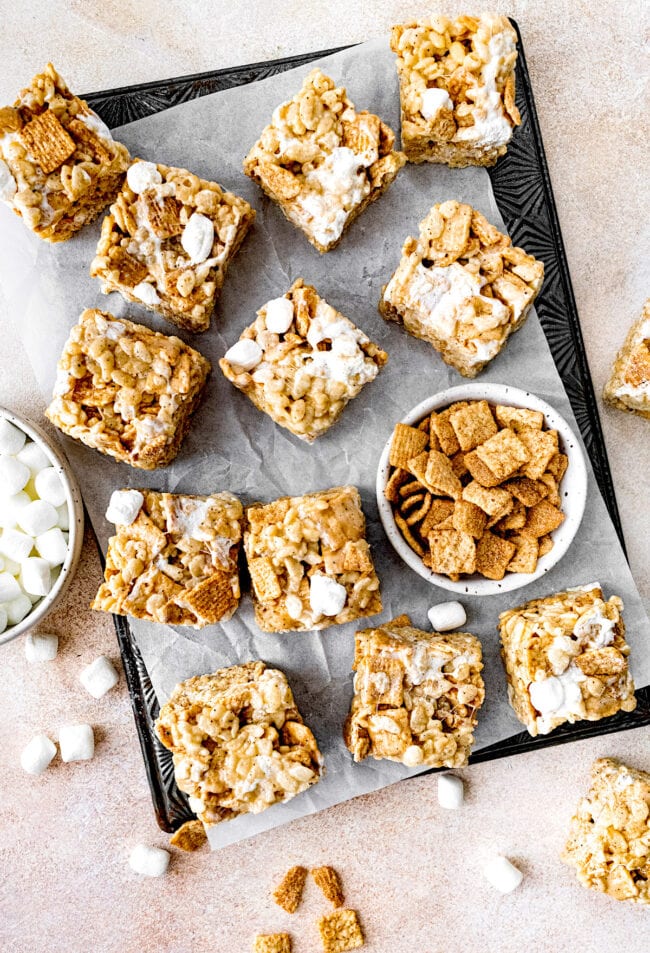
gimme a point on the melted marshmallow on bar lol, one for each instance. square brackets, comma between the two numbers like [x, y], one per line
[345, 361]
[491, 129]
[335, 188]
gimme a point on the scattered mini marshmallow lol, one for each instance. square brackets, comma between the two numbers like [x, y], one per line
[124, 506]
[63, 521]
[13, 475]
[18, 608]
[34, 457]
[37, 517]
[326, 595]
[451, 791]
[279, 315]
[49, 487]
[9, 587]
[15, 544]
[99, 677]
[36, 576]
[37, 755]
[77, 742]
[503, 875]
[12, 440]
[245, 354]
[149, 861]
[41, 648]
[447, 616]
[52, 545]
[10, 507]
[3, 619]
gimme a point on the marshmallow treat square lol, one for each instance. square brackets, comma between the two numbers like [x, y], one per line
[168, 241]
[309, 561]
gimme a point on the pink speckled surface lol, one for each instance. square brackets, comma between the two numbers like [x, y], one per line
[412, 870]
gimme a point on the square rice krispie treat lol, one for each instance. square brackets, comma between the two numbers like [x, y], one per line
[173, 558]
[302, 361]
[457, 88]
[322, 161]
[609, 839]
[628, 387]
[168, 241]
[59, 164]
[462, 287]
[125, 390]
[416, 695]
[566, 659]
[309, 561]
[239, 742]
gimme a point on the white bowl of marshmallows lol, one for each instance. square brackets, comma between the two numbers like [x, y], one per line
[41, 525]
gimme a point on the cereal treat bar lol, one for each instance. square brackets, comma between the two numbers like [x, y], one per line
[566, 659]
[462, 287]
[59, 164]
[309, 561]
[609, 839]
[127, 391]
[628, 387]
[173, 558]
[168, 241]
[416, 695]
[238, 741]
[457, 88]
[322, 161]
[301, 361]
[340, 931]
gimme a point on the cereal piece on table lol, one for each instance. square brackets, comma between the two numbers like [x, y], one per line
[628, 387]
[452, 552]
[190, 836]
[609, 837]
[566, 659]
[479, 472]
[542, 445]
[461, 291]
[457, 88]
[407, 442]
[529, 492]
[238, 741]
[127, 391]
[340, 931]
[416, 695]
[272, 943]
[176, 562]
[168, 241]
[330, 883]
[526, 554]
[473, 424]
[322, 161]
[542, 519]
[288, 893]
[315, 547]
[469, 518]
[59, 164]
[303, 371]
[518, 418]
[493, 555]
[503, 454]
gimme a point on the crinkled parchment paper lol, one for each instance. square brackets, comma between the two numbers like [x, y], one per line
[233, 446]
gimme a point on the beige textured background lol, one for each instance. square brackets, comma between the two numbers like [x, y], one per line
[412, 870]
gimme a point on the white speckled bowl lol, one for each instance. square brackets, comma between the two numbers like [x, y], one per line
[573, 489]
[76, 515]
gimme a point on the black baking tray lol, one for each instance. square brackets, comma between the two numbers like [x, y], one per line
[523, 192]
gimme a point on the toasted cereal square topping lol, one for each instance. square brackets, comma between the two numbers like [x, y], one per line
[503, 454]
[288, 893]
[330, 883]
[47, 141]
[452, 552]
[272, 943]
[473, 424]
[340, 931]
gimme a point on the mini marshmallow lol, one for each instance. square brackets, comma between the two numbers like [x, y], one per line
[198, 237]
[145, 292]
[37, 517]
[99, 677]
[49, 487]
[149, 861]
[447, 616]
[13, 475]
[16, 545]
[124, 506]
[326, 596]
[9, 587]
[12, 440]
[52, 545]
[41, 648]
[245, 353]
[35, 576]
[37, 755]
[433, 100]
[279, 315]
[77, 742]
[34, 457]
[503, 875]
[3, 619]
[10, 507]
[451, 792]
[141, 176]
[10, 566]
[18, 608]
[196, 804]
[63, 521]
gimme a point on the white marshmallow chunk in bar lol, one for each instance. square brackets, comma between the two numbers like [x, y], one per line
[37, 517]
[41, 648]
[37, 755]
[13, 475]
[451, 792]
[149, 861]
[35, 576]
[48, 485]
[34, 457]
[18, 608]
[447, 616]
[245, 353]
[326, 596]
[503, 875]
[77, 742]
[52, 545]
[279, 315]
[99, 677]
[12, 440]
[124, 506]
